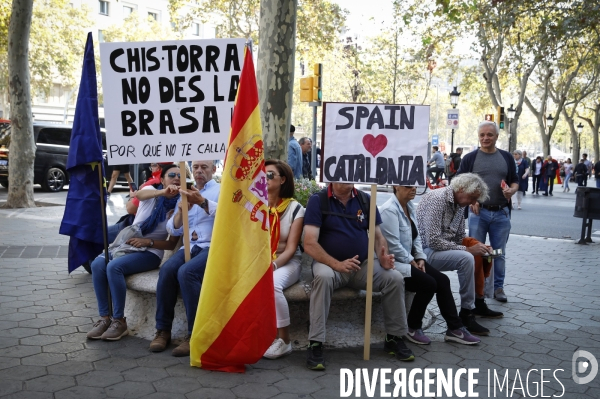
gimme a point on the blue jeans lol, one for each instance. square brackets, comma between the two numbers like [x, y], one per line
[113, 276]
[496, 224]
[188, 277]
[566, 180]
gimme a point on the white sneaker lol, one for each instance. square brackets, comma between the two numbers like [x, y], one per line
[277, 349]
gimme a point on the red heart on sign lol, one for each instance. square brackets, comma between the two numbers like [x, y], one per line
[374, 144]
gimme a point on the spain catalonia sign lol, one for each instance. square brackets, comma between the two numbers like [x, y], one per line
[375, 143]
[169, 99]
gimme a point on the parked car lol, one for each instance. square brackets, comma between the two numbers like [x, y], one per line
[49, 170]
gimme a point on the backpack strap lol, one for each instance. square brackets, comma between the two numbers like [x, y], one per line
[363, 200]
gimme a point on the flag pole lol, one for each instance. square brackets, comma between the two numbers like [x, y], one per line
[369, 305]
[104, 230]
[184, 215]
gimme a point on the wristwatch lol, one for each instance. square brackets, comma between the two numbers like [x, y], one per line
[151, 243]
[204, 204]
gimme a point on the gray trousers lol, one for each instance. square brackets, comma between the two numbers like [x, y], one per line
[464, 264]
[389, 282]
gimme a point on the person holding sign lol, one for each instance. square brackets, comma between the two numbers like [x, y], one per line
[400, 230]
[336, 237]
[440, 217]
[140, 253]
[176, 274]
[286, 217]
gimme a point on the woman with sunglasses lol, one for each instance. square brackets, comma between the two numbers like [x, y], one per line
[286, 217]
[400, 230]
[155, 203]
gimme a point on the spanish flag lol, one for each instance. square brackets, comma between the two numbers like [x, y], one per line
[235, 322]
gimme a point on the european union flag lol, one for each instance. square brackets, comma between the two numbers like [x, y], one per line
[84, 215]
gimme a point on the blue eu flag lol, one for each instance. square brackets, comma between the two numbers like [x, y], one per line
[84, 216]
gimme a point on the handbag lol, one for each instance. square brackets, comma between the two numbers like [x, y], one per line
[119, 246]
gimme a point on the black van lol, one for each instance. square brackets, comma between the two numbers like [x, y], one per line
[49, 170]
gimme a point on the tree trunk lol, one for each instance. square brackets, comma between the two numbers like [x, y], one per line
[275, 76]
[22, 145]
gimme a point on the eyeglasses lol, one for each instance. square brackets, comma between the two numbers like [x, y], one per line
[154, 165]
[173, 174]
[271, 175]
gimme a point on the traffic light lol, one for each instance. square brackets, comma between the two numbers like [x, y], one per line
[489, 117]
[306, 89]
[317, 82]
[501, 117]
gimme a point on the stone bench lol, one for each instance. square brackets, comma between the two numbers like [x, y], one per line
[345, 325]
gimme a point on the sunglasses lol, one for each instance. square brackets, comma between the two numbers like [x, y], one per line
[271, 175]
[173, 174]
[153, 165]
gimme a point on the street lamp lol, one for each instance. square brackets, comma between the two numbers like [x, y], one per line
[579, 130]
[511, 115]
[454, 94]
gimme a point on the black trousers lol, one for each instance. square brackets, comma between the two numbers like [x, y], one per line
[550, 184]
[437, 171]
[425, 285]
[536, 183]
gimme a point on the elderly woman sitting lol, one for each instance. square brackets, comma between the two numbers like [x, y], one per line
[400, 231]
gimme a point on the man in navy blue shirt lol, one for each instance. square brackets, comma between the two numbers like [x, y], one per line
[337, 239]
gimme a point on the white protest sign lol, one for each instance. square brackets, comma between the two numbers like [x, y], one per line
[452, 121]
[169, 100]
[375, 143]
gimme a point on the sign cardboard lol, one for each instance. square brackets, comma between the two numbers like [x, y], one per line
[169, 100]
[375, 143]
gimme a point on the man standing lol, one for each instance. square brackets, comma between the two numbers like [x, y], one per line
[117, 169]
[175, 274]
[492, 217]
[438, 159]
[581, 173]
[454, 163]
[525, 157]
[294, 154]
[440, 216]
[588, 165]
[551, 166]
[336, 236]
[306, 146]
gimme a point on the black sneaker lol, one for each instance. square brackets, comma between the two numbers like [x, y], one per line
[482, 310]
[314, 356]
[468, 319]
[395, 346]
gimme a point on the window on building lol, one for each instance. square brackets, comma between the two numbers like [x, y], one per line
[103, 7]
[127, 10]
[153, 15]
[195, 29]
[100, 36]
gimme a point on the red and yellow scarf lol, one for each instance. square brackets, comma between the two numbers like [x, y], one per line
[274, 214]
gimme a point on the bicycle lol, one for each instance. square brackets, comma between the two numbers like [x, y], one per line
[440, 183]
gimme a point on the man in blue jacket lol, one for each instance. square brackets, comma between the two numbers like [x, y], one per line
[492, 217]
[294, 154]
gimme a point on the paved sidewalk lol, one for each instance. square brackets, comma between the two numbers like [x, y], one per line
[553, 310]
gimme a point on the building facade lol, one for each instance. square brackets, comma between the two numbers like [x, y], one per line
[59, 105]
